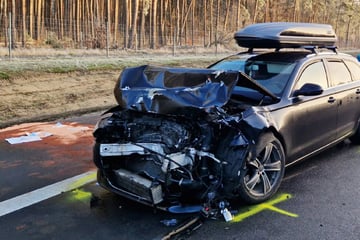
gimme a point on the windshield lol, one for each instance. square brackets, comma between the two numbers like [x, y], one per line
[233, 63]
[270, 74]
[230, 64]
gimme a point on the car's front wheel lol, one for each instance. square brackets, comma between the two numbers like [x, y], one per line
[261, 176]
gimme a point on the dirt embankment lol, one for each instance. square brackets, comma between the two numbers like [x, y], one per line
[48, 95]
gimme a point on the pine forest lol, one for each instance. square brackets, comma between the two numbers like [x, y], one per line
[153, 24]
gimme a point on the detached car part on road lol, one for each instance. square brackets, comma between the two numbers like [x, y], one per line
[184, 136]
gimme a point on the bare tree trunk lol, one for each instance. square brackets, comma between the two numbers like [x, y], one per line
[92, 18]
[185, 17]
[177, 28]
[227, 9]
[61, 19]
[126, 11]
[38, 20]
[78, 17]
[108, 22]
[31, 19]
[255, 11]
[23, 7]
[205, 21]
[72, 23]
[295, 10]
[6, 23]
[133, 32]
[217, 23]
[154, 26]
[192, 21]
[163, 10]
[116, 21]
[238, 12]
[266, 16]
[13, 26]
[42, 20]
[211, 21]
[142, 25]
[86, 22]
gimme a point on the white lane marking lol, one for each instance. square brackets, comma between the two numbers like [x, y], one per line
[41, 194]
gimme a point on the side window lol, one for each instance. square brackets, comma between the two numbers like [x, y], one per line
[354, 69]
[314, 73]
[339, 73]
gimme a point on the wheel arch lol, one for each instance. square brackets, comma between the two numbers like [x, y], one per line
[268, 153]
[273, 130]
[355, 137]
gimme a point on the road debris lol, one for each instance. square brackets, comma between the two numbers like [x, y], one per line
[169, 222]
[29, 137]
[185, 229]
[33, 132]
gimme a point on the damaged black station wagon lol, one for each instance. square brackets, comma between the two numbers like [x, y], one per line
[181, 136]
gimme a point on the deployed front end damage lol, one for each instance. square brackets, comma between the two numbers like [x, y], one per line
[171, 141]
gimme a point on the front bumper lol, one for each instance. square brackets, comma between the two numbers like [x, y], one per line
[152, 197]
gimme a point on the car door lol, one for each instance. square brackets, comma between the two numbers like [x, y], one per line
[345, 95]
[354, 68]
[313, 117]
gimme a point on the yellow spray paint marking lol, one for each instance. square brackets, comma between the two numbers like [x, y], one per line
[78, 194]
[81, 195]
[90, 177]
[268, 205]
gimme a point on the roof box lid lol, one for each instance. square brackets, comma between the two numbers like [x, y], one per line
[286, 35]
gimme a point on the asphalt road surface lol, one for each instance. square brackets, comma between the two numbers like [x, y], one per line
[39, 198]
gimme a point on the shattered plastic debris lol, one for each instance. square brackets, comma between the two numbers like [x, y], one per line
[224, 211]
[29, 137]
[227, 215]
[59, 124]
[169, 222]
[187, 228]
[71, 128]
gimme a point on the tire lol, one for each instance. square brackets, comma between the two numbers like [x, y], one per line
[260, 177]
[355, 139]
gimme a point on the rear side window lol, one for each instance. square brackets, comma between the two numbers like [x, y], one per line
[313, 73]
[354, 69]
[339, 73]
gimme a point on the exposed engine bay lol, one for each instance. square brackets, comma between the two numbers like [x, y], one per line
[175, 137]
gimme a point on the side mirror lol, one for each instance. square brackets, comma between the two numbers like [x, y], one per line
[309, 89]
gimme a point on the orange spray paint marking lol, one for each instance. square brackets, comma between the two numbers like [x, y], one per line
[65, 153]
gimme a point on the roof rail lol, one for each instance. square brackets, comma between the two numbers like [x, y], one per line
[314, 49]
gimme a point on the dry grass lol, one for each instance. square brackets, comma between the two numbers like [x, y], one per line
[49, 51]
[64, 61]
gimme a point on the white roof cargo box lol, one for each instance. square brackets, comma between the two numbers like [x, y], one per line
[286, 35]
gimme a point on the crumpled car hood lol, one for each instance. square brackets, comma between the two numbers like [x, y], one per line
[165, 90]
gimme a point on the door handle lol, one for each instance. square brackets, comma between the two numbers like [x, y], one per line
[331, 100]
[357, 91]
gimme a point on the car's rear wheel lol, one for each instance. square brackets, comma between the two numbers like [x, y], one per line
[356, 137]
[261, 176]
